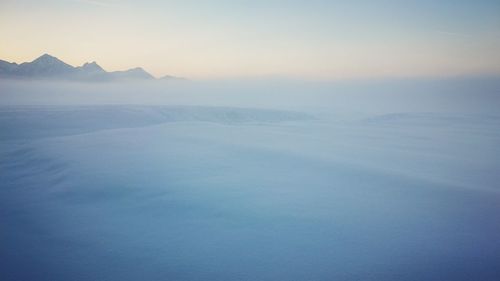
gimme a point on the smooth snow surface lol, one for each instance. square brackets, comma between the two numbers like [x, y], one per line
[383, 183]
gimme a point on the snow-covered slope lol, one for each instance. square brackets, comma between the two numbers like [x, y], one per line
[30, 123]
[356, 186]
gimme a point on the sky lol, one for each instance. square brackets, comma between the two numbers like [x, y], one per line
[310, 39]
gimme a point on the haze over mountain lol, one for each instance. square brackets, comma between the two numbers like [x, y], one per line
[50, 67]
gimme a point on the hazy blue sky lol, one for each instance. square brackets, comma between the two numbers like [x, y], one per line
[211, 39]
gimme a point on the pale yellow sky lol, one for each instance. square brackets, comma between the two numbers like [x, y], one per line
[221, 39]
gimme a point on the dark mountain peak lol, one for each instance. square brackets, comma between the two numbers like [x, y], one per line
[48, 63]
[133, 73]
[46, 58]
[136, 69]
[44, 66]
[92, 66]
[47, 66]
[6, 62]
[6, 68]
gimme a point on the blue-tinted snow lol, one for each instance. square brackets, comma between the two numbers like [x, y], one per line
[384, 183]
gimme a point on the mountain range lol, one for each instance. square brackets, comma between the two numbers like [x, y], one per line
[50, 67]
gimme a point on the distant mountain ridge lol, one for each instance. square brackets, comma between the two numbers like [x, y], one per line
[50, 67]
